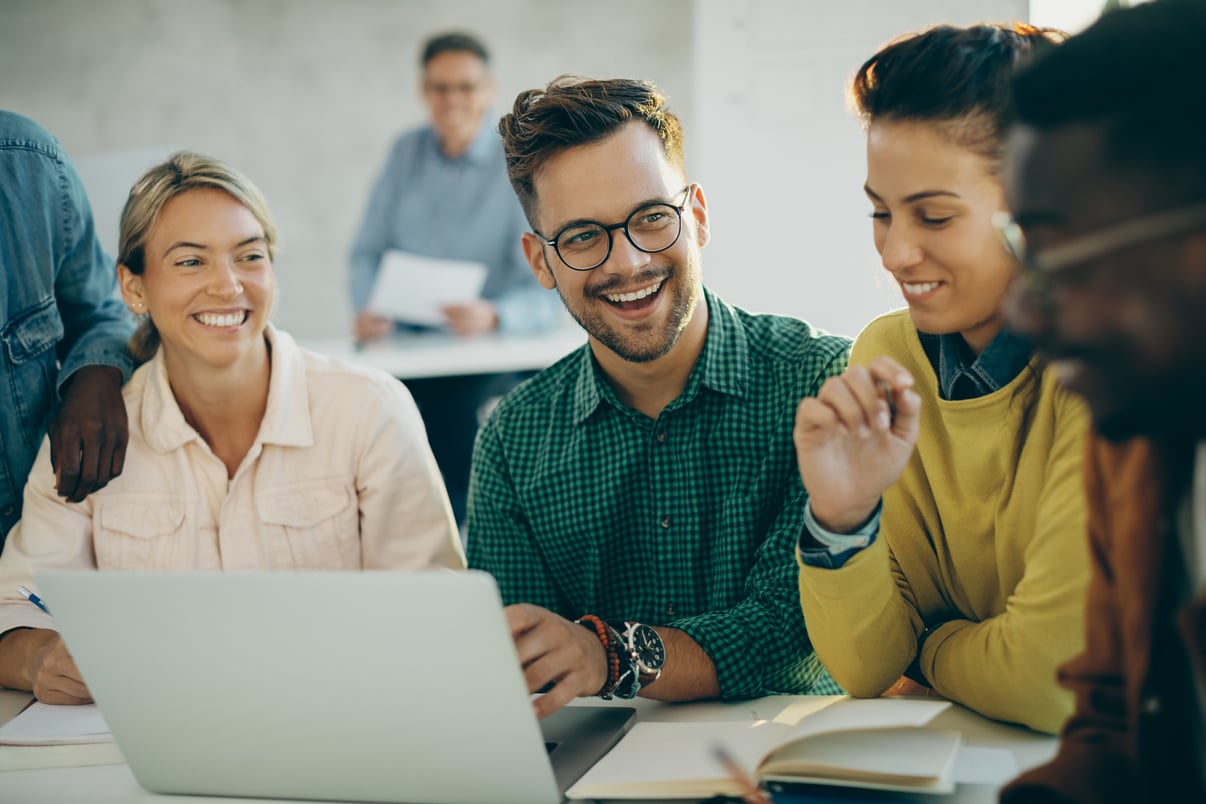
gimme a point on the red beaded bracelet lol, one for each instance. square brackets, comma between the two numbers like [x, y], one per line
[603, 631]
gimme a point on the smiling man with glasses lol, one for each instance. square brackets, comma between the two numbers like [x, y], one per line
[1108, 191]
[638, 501]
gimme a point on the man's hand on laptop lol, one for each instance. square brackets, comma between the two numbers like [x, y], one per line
[554, 650]
[53, 676]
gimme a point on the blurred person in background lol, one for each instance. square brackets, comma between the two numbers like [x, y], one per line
[444, 193]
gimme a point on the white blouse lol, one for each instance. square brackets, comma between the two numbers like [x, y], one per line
[340, 476]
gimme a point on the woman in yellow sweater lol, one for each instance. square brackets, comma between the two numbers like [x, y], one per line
[945, 536]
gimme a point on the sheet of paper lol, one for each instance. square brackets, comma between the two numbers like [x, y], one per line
[46, 724]
[676, 759]
[870, 713]
[903, 758]
[411, 288]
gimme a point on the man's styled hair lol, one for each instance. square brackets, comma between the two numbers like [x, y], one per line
[453, 42]
[1138, 74]
[955, 78]
[574, 111]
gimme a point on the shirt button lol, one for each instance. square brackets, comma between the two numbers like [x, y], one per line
[7, 510]
[661, 438]
[1150, 705]
[670, 610]
[665, 523]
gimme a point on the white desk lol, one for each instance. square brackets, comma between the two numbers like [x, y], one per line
[441, 355]
[114, 784]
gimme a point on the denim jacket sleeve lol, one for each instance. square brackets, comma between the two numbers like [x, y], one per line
[96, 325]
[58, 311]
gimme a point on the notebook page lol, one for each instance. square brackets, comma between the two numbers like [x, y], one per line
[47, 724]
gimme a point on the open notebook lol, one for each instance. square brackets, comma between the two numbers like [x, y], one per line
[346, 686]
[875, 744]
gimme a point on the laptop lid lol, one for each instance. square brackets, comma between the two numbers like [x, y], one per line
[353, 686]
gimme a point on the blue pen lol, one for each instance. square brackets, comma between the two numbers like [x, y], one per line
[32, 598]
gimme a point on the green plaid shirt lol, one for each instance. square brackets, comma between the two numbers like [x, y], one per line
[581, 505]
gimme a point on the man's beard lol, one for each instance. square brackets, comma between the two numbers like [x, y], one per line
[655, 343]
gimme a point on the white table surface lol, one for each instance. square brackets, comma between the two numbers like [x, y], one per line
[440, 355]
[114, 784]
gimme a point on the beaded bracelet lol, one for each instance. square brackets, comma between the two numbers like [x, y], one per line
[603, 631]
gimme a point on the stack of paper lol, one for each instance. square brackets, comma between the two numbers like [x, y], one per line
[44, 736]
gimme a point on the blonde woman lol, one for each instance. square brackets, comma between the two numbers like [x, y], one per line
[245, 451]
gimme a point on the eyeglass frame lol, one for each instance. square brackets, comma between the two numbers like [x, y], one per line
[610, 231]
[1040, 268]
[454, 88]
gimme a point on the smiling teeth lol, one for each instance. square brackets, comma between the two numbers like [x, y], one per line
[916, 289]
[636, 294]
[226, 320]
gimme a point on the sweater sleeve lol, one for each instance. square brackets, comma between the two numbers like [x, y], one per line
[862, 619]
[1005, 666]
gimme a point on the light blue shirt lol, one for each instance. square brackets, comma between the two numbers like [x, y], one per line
[58, 308]
[461, 208]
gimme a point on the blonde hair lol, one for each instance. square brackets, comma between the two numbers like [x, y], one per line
[180, 173]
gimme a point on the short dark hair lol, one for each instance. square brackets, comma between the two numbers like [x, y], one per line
[957, 78]
[1137, 73]
[574, 111]
[453, 42]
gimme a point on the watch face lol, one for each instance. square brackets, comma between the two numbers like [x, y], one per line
[648, 647]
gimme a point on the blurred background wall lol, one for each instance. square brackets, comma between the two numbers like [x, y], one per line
[306, 96]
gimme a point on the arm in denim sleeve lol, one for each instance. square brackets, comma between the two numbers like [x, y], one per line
[96, 325]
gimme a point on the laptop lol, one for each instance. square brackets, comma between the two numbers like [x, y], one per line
[344, 686]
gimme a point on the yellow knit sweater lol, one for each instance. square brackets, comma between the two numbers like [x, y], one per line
[982, 539]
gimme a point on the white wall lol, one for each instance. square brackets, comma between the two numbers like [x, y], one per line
[780, 156]
[305, 96]
[302, 95]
